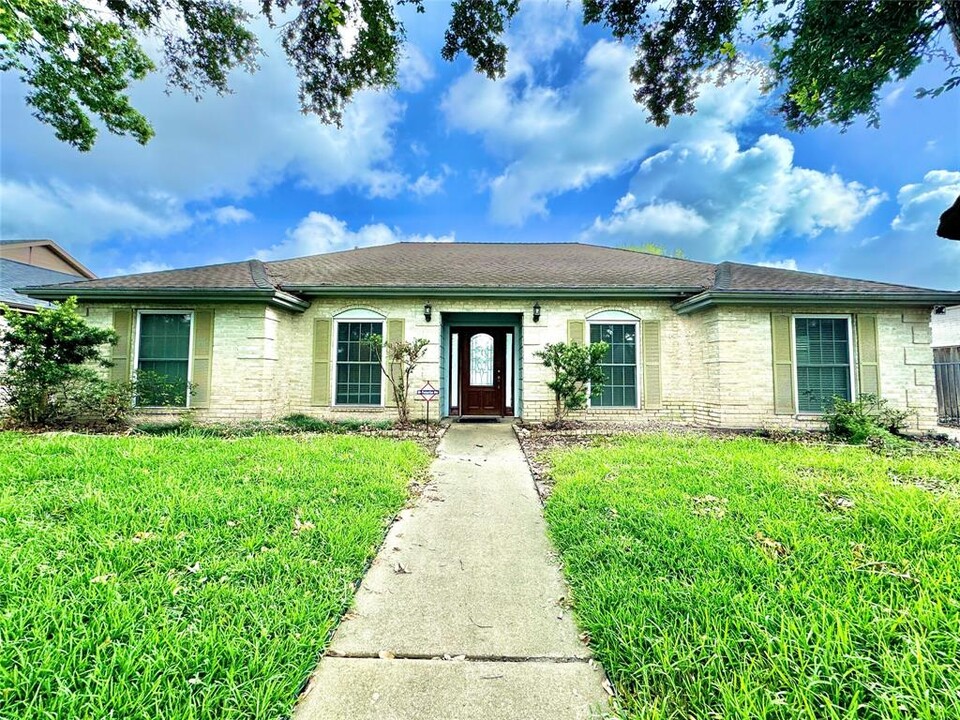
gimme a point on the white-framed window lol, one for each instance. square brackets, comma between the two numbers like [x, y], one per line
[358, 378]
[621, 331]
[163, 357]
[823, 361]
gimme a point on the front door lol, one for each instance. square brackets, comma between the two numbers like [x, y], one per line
[482, 356]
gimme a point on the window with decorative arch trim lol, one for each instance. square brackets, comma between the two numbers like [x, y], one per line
[621, 331]
[358, 379]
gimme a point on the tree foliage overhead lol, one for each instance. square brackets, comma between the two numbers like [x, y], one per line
[826, 59]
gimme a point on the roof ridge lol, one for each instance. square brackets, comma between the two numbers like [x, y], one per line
[721, 279]
[258, 273]
[635, 252]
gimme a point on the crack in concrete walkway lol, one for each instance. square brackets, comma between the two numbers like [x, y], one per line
[462, 614]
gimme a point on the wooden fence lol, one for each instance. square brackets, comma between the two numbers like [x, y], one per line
[946, 368]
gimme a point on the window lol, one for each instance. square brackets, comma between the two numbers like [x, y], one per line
[358, 370]
[619, 364]
[823, 362]
[163, 358]
[481, 360]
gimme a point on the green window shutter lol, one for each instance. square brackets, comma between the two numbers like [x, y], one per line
[576, 332]
[650, 346]
[320, 385]
[202, 358]
[122, 353]
[396, 330]
[868, 355]
[781, 331]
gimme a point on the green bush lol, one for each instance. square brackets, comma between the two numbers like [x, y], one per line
[869, 418]
[50, 377]
[576, 369]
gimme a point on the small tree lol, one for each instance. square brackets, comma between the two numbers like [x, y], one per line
[50, 358]
[398, 359]
[576, 368]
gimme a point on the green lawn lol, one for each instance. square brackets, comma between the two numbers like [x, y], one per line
[181, 577]
[746, 579]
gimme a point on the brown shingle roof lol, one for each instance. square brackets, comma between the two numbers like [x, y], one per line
[740, 277]
[487, 266]
[491, 265]
[233, 276]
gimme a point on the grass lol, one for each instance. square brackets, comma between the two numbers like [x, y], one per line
[746, 579]
[181, 577]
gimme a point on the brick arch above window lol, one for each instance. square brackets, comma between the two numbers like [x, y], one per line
[612, 316]
[359, 313]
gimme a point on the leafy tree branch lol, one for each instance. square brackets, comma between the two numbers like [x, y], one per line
[826, 60]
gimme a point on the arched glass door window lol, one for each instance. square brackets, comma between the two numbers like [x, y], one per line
[481, 360]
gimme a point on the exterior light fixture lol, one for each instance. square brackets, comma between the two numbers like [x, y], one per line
[536, 312]
[427, 311]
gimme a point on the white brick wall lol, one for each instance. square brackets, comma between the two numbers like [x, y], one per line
[745, 374]
[716, 364]
[243, 382]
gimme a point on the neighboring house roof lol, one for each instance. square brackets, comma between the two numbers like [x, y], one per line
[17, 274]
[36, 252]
[471, 269]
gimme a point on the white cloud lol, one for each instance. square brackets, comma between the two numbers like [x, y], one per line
[717, 199]
[414, 70]
[84, 214]
[910, 252]
[542, 28]
[892, 97]
[142, 266]
[557, 140]
[428, 184]
[231, 215]
[919, 201]
[320, 233]
[221, 148]
[651, 223]
[785, 264]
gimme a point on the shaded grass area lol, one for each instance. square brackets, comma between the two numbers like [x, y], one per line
[181, 577]
[741, 578]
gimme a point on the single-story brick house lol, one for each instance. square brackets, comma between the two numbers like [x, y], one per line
[722, 345]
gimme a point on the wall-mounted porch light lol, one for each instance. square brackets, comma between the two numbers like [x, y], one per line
[427, 311]
[536, 312]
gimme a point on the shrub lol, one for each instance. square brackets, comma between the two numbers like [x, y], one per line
[49, 378]
[398, 359]
[869, 418]
[575, 368]
[153, 389]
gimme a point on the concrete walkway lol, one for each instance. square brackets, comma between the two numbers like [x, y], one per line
[461, 615]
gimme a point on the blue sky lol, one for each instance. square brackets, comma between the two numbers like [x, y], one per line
[556, 151]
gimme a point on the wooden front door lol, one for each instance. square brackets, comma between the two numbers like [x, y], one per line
[482, 356]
